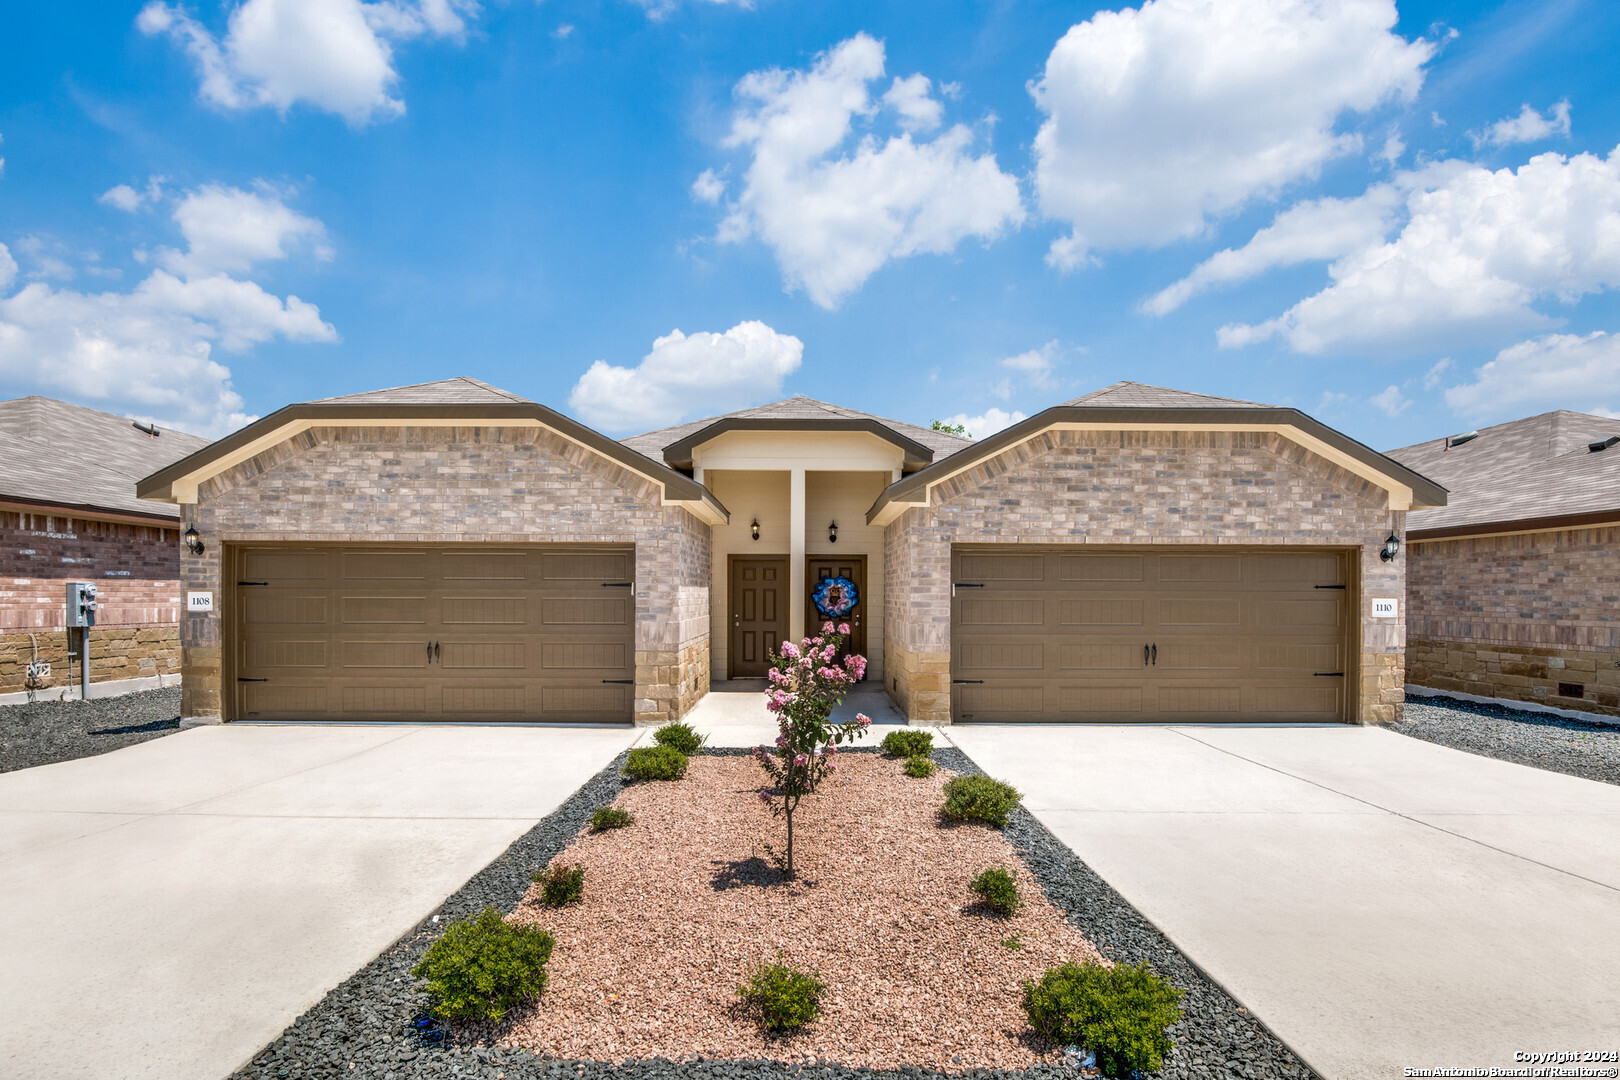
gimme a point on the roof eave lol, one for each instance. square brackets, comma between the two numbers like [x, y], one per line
[912, 490]
[1547, 523]
[679, 454]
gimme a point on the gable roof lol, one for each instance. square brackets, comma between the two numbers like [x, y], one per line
[675, 444]
[67, 456]
[1525, 474]
[464, 401]
[1133, 405]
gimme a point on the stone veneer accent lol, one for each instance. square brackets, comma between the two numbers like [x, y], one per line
[1137, 487]
[119, 653]
[1514, 615]
[461, 484]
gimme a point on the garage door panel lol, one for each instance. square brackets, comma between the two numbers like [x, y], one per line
[518, 633]
[1178, 635]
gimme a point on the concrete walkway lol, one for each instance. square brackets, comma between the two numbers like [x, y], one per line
[733, 714]
[169, 908]
[1378, 901]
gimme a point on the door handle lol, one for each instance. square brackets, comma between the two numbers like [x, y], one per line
[430, 652]
[435, 650]
[1144, 655]
[736, 620]
[1155, 654]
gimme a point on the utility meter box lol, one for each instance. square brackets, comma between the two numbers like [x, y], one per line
[81, 603]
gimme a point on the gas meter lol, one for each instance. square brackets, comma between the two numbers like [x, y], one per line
[81, 603]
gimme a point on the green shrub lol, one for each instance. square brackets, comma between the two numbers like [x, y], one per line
[784, 998]
[611, 817]
[919, 766]
[560, 885]
[679, 736]
[1118, 1013]
[979, 798]
[997, 891]
[908, 742]
[483, 966]
[655, 763]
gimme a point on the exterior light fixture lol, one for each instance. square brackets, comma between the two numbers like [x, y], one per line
[1391, 548]
[832, 533]
[194, 542]
[755, 528]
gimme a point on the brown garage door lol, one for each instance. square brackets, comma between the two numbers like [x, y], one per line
[1154, 635]
[430, 632]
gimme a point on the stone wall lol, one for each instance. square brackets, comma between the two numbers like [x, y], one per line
[1522, 616]
[1133, 487]
[115, 653]
[469, 485]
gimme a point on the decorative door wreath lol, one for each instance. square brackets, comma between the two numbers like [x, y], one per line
[834, 597]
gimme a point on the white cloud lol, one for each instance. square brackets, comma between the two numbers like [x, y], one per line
[986, 423]
[659, 9]
[682, 375]
[228, 229]
[8, 268]
[1394, 148]
[834, 213]
[1160, 118]
[1391, 401]
[708, 187]
[121, 197]
[1036, 364]
[1556, 371]
[332, 54]
[1432, 377]
[913, 99]
[1528, 126]
[1478, 248]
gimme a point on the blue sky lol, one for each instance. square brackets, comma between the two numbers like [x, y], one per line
[1405, 222]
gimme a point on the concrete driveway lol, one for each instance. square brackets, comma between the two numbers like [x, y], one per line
[1378, 901]
[169, 908]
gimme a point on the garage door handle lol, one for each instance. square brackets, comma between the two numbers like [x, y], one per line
[1155, 654]
[1328, 674]
[240, 678]
[975, 682]
[435, 650]
[1144, 656]
[624, 682]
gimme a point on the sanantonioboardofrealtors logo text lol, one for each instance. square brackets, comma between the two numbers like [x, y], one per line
[1520, 1070]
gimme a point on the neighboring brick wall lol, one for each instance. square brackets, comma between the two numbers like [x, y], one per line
[1513, 616]
[135, 568]
[447, 485]
[1132, 487]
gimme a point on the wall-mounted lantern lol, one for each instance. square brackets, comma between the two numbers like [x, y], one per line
[832, 533]
[194, 542]
[755, 528]
[1391, 548]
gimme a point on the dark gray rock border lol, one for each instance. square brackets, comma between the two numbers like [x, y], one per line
[49, 730]
[361, 1029]
[1589, 749]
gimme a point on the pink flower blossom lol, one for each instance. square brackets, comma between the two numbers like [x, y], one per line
[801, 760]
[764, 796]
[781, 742]
[865, 721]
[843, 628]
[827, 628]
[790, 650]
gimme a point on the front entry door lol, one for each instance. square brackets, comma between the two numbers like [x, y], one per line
[821, 567]
[759, 592]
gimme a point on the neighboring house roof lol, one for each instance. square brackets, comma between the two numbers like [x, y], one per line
[674, 444]
[69, 457]
[1131, 405]
[1535, 473]
[462, 400]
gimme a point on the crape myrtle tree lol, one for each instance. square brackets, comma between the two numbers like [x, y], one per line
[807, 682]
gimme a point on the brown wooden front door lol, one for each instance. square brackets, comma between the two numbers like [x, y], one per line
[820, 567]
[759, 592]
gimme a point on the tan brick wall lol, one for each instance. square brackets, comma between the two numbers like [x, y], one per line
[473, 485]
[1090, 487]
[1513, 616]
[115, 653]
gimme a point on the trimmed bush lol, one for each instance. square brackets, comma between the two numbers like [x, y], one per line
[483, 966]
[679, 736]
[1120, 1013]
[784, 998]
[997, 891]
[919, 766]
[560, 885]
[610, 817]
[979, 798]
[908, 742]
[655, 763]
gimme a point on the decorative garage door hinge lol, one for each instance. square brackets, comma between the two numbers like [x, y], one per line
[965, 585]
[1328, 674]
[1330, 586]
[241, 678]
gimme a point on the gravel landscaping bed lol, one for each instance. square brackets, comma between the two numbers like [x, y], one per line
[364, 1027]
[1586, 748]
[43, 732]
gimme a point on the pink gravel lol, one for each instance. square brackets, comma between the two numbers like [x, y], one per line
[648, 963]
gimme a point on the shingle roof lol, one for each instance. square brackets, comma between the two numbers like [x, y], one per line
[1135, 395]
[794, 408]
[66, 455]
[1522, 471]
[459, 391]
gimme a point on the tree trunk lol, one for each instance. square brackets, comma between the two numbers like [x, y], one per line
[790, 837]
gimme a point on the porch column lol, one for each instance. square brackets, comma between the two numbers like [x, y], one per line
[796, 555]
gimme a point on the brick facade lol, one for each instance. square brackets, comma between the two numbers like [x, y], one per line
[136, 570]
[1135, 487]
[1517, 615]
[462, 484]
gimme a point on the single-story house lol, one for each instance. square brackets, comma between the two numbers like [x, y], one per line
[452, 551]
[68, 512]
[1515, 583]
